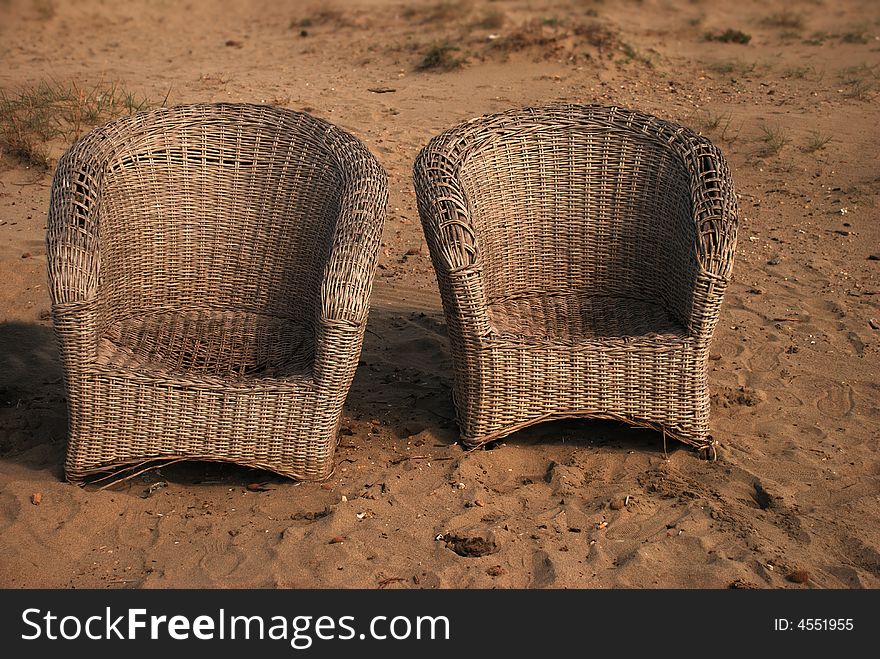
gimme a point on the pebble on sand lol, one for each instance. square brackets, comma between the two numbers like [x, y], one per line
[36, 498]
[799, 576]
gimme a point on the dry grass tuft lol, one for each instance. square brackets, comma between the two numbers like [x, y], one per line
[729, 36]
[784, 19]
[861, 79]
[854, 37]
[440, 57]
[553, 38]
[817, 141]
[816, 39]
[35, 116]
[45, 9]
[720, 125]
[596, 35]
[739, 67]
[800, 72]
[325, 16]
[445, 11]
[859, 89]
[710, 120]
[773, 139]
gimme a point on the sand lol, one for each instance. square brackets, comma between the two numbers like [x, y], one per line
[791, 502]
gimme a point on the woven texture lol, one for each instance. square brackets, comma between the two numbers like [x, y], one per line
[582, 254]
[210, 269]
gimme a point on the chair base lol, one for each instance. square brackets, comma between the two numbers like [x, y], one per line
[705, 444]
[119, 423]
[110, 474]
[649, 381]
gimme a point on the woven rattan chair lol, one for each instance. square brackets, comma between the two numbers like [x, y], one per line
[210, 269]
[582, 253]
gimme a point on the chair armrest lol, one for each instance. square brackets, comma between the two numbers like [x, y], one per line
[715, 217]
[715, 211]
[347, 280]
[73, 255]
[444, 210]
[696, 286]
[452, 241]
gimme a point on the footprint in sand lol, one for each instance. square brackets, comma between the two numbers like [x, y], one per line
[9, 510]
[836, 400]
[543, 571]
[787, 398]
[626, 530]
[860, 555]
[765, 357]
[866, 396]
[728, 350]
[848, 577]
[424, 349]
[220, 561]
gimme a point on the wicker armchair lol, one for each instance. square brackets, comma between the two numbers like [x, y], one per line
[210, 269]
[582, 253]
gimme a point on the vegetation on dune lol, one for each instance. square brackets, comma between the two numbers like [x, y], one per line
[32, 117]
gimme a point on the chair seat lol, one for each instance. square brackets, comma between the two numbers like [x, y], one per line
[578, 318]
[206, 344]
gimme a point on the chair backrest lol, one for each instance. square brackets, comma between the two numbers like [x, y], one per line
[221, 206]
[577, 202]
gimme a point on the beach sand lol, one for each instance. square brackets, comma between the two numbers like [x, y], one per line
[793, 499]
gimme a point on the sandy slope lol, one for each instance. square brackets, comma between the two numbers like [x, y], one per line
[796, 400]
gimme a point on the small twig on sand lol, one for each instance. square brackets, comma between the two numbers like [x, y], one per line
[397, 461]
[389, 580]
